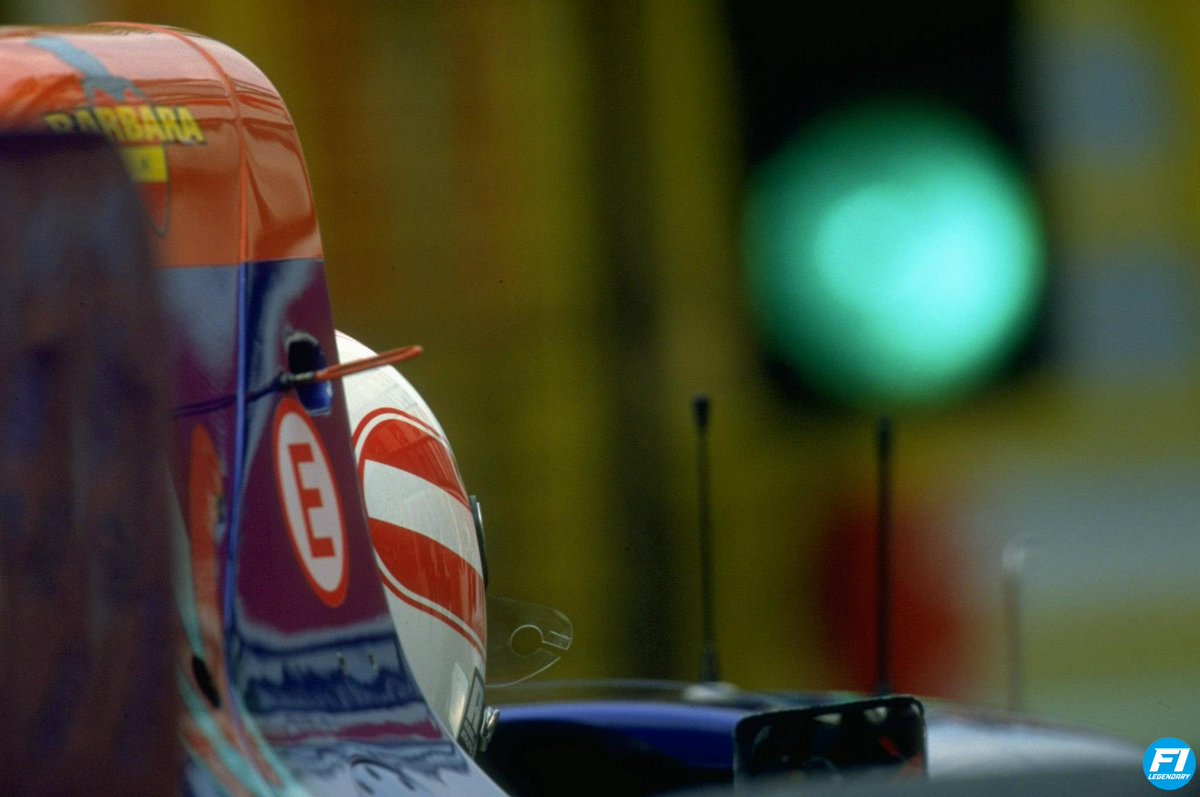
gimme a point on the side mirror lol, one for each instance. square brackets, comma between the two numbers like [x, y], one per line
[882, 736]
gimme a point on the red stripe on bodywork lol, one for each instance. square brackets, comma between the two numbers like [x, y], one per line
[411, 448]
[433, 571]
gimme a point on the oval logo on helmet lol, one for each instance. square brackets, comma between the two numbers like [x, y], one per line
[309, 497]
[420, 521]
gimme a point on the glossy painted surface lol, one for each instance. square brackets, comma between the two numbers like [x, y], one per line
[285, 690]
[205, 133]
[697, 736]
[961, 742]
[692, 726]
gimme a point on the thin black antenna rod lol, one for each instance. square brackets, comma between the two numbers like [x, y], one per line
[1013, 565]
[708, 664]
[883, 650]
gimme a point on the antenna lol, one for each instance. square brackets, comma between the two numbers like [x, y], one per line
[1013, 565]
[883, 450]
[331, 372]
[700, 412]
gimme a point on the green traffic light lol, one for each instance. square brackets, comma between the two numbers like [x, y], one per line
[893, 254]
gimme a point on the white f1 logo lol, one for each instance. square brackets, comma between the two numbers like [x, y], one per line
[1164, 755]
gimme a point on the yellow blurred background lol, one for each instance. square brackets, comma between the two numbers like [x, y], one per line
[547, 196]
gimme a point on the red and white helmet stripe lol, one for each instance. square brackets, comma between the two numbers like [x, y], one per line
[423, 532]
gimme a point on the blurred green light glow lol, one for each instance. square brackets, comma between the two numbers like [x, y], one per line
[893, 254]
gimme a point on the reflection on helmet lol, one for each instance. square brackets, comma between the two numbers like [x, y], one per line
[429, 545]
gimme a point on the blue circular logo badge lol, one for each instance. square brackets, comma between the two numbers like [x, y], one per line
[1169, 764]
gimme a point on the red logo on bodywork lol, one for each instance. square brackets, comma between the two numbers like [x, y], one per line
[309, 498]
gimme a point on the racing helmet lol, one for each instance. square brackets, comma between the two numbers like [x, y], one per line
[427, 539]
